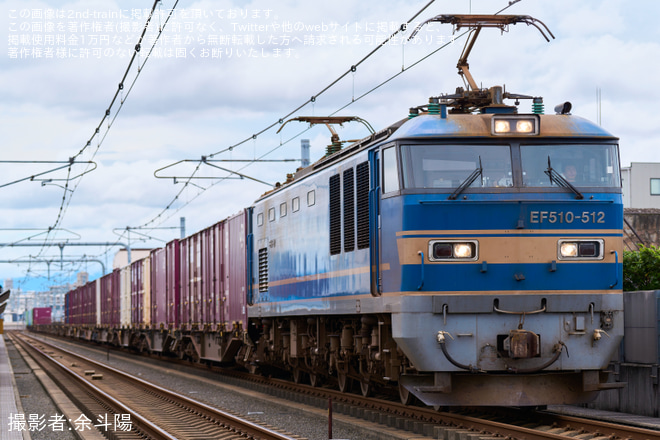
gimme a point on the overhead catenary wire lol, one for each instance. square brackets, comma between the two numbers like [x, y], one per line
[352, 69]
[67, 191]
[281, 120]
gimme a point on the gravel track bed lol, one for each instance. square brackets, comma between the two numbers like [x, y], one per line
[310, 423]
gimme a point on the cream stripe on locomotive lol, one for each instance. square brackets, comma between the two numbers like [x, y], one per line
[509, 247]
[321, 276]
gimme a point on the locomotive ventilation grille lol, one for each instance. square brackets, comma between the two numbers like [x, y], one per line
[263, 270]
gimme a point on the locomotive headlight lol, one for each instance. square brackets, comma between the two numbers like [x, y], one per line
[580, 249]
[568, 249]
[502, 126]
[526, 125]
[453, 250]
[463, 250]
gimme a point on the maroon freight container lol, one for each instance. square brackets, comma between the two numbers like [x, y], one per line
[191, 280]
[74, 299]
[158, 299]
[184, 304]
[77, 306]
[71, 307]
[110, 299]
[215, 277]
[235, 257]
[207, 275]
[42, 315]
[173, 292]
[88, 304]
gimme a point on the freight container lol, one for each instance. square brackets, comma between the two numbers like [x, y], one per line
[235, 262]
[88, 300]
[42, 315]
[158, 299]
[191, 250]
[173, 289]
[140, 293]
[110, 299]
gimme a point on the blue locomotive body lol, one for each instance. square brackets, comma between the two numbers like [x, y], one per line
[463, 263]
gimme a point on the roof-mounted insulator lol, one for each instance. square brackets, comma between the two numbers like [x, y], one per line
[434, 106]
[537, 106]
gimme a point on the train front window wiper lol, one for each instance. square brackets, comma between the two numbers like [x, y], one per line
[467, 182]
[557, 178]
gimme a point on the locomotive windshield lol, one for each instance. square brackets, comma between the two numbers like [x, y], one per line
[448, 166]
[427, 166]
[586, 165]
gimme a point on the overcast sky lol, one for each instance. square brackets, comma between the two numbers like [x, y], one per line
[225, 70]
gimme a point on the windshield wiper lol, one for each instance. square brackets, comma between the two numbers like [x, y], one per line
[561, 181]
[467, 182]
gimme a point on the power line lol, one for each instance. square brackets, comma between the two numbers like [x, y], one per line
[352, 69]
[66, 201]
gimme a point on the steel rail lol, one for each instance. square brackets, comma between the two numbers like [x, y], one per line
[224, 420]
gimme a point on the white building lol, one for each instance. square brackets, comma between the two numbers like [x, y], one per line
[641, 185]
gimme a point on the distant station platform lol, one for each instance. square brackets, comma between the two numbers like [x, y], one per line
[9, 398]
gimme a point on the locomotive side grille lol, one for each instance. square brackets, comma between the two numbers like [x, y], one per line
[263, 270]
[362, 174]
[349, 211]
[335, 215]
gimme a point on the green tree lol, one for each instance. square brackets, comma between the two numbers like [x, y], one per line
[641, 269]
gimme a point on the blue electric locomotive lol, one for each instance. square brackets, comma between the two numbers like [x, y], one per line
[469, 254]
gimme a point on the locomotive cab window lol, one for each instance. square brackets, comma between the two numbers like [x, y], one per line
[390, 170]
[449, 166]
[589, 165]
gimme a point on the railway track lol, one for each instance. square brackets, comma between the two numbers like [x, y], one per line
[472, 424]
[126, 407]
[479, 423]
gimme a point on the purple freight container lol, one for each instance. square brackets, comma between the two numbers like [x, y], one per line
[173, 292]
[215, 277]
[184, 304]
[42, 315]
[110, 299]
[88, 301]
[158, 299]
[67, 308]
[234, 304]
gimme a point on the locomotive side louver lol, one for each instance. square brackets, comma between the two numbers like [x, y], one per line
[362, 175]
[335, 215]
[349, 210]
[263, 270]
